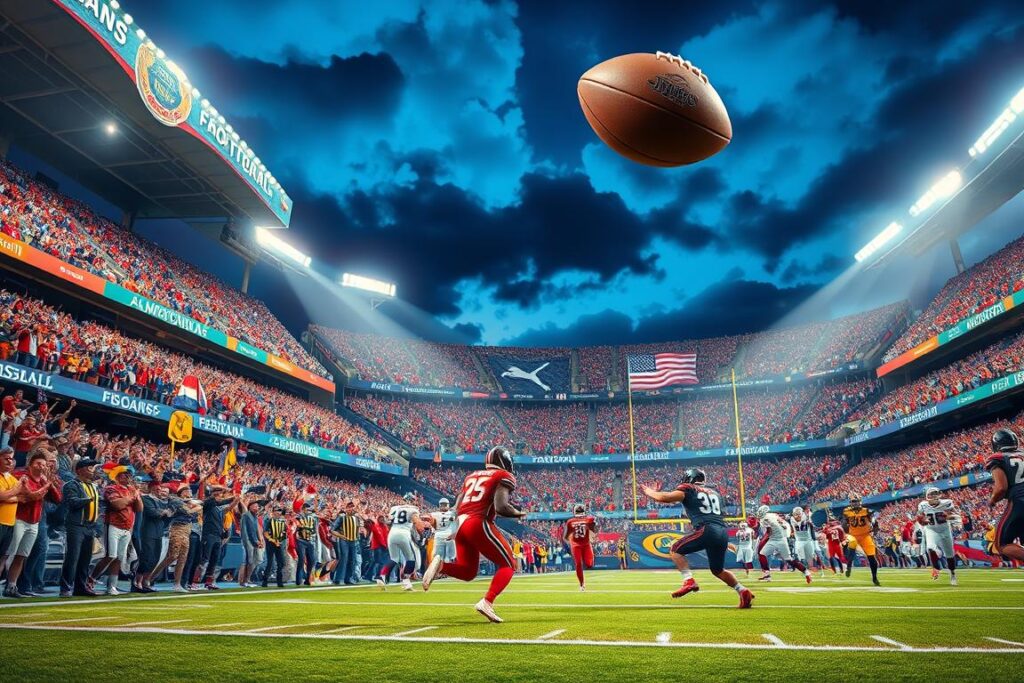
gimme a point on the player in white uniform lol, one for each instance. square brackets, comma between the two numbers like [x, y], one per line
[937, 515]
[776, 542]
[804, 532]
[744, 541]
[445, 523]
[404, 520]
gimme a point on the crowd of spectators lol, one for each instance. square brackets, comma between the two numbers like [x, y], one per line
[559, 429]
[1003, 358]
[654, 427]
[71, 231]
[833, 406]
[709, 422]
[40, 336]
[594, 366]
[557, 489]
[795, 478]
[714, 355]
[954, 455]
[966, 294]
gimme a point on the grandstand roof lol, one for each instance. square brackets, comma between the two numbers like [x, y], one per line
[61, 86]
[997, 181]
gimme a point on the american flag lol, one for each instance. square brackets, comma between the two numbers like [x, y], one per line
[657, 370]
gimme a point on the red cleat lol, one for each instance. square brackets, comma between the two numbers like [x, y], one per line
[689, 586]
[808, 577]
[746, 599]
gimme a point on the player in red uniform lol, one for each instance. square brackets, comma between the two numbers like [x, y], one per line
[579, 535]
[835, 535]
[485, 494]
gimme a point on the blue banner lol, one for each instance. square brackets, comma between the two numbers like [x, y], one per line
[529, 377]
[650, 550]
[659, 456]
[89, 393]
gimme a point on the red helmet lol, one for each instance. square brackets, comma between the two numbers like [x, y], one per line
[751, 520]
[500, 458]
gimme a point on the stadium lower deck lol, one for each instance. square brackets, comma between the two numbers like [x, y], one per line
[624, 624]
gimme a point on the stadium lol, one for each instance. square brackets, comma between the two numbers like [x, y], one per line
[482, 399]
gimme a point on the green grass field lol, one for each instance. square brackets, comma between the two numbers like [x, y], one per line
[625, 627]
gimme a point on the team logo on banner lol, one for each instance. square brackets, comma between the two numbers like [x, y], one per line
[660, 544]
[163, 87]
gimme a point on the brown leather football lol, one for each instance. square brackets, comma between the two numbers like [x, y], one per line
[657, 109]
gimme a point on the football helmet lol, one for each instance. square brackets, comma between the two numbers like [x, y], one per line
[579, 509]
[444, 504]
[694, 475]
[1004, 440]
[762, 511]
[500, 458]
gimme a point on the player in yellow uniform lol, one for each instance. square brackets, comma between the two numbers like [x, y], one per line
[620, 551]
[857, 522]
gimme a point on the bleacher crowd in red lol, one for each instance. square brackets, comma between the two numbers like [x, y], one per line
[72, 232]
[40, 336]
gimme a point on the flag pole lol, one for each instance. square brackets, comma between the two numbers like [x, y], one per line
[739, 444]
[632, 439]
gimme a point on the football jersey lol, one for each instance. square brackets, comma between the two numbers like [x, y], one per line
[804, 529]
[834, 533]
[744, 538]
[443, 522]
[703, 505]
[858, 521]
[478, 491]
[935, 516]
[579, 529]
[1012, 464]
[775, 526]
[401, 517]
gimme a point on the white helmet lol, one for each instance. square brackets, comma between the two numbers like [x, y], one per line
[798, 512]
[743, 525]
[932, 493]
[762, 511]
[443, 503]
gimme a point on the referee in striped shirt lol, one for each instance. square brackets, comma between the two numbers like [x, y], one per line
[345, 531]
[275, 531]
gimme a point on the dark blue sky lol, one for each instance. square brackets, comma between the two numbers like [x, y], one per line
[440, 145]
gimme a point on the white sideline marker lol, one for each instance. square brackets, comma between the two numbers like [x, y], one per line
[341, 630]
[894, 643]
[233, 623]
[156, 623]
[1004, 642]
[663, 637]
[67, 621]
[549, 636]
[773, 639]
[415, 630]
[274, 628]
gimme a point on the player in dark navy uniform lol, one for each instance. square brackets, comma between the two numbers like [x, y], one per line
[704, 508]
[1007, 467]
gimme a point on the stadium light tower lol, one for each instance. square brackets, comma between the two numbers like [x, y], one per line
[944, 188]
[379, 291]
[277, 247]
[880, 239]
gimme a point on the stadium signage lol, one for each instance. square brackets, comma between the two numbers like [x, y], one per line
[31, 256]
[960, 329]
[64, 386]
[170, 98]
[920, 416]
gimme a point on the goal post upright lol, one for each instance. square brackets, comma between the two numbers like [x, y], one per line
[739, 445]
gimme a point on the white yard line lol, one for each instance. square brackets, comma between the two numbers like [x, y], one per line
[663, 637]
[342, 629]
[773, 639]
[524, 641]
[68, 621]
[1004, 642]
[233, 623]
[155, 623]
[552, 634]
[274, 628]
[415, 630]
[895, 643]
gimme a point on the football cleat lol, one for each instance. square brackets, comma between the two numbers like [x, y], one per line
[746, 599]
[380, 582]
[808, 577]
[583, 589]
[935, 574]
[487, 609]
[849, 568]
[765, 577]
[407, 585]
[689, 586]
[875, 581]
[953, 581]
[431, 573]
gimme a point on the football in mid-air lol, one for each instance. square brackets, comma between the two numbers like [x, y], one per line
[656, 109]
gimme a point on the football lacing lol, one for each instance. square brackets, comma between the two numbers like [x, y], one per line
[685, 63]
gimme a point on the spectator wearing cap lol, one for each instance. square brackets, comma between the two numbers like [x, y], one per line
[275, 532]
[215, 507]
[35, 487]
[156, 516]
[123, 502]
[252, 544]
[345, 531]
[185, 512]
[10, 489]
[82, 501]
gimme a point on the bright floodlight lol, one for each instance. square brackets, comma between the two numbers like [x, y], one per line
[110, 128]
[368, 284]
[949, 184]
[272, 243]
[881, 238]
[1001, 123]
